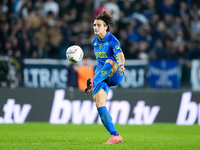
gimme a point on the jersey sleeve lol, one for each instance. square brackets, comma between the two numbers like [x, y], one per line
[116, 46]
[93, 41]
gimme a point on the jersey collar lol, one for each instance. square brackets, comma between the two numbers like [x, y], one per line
[105, 39]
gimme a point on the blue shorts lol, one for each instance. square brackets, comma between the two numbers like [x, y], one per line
[115, 79]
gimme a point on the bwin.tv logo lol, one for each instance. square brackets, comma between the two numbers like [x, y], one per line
[14, 113]
[189, 111]
[63, 111]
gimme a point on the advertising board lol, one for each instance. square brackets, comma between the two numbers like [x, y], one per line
[134, 107]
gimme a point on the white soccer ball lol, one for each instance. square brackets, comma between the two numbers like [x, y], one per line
[74, 53]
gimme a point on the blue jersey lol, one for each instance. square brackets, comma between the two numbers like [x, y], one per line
[105, 49]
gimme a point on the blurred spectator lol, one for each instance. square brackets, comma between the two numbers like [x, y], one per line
[26, 52]
[55, 36]
[34, 46]
[149, 8]
[89, 6]
[35, 54]
[131, 52]
[126, 7]
[167, 7]
[26, 9]
[74, 38]
[50, 6]
[194, 9]
[4, 7]
[170, 49]
[5, 33]
[73, 12]
[153, 21]
[180, 39]
[98, 3]
[169, 33]
[72, 75]
[122, 22]
[77, 6]
[132, 33]
[195, 49]
[183, 10]
[99, 9]
[186, 25]
[63, 4]
[168, 19]
[42, 35]
[85, 36]
[49, 19]
[38, 4]
[15, 44]
[143, 50]
[123, 39]
[48, 51]
[85, 71]
[28, 31]
[65, 43]
[86, 16]
[159, 32]
[177, 25]
[113, 8]
[159, 50]
[144, 32]
[183, 53]
[195, 23]
[8, 48]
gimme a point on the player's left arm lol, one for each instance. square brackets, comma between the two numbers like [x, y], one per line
[121, 58]
[119, 54]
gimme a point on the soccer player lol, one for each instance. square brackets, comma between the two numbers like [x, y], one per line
[109, 71]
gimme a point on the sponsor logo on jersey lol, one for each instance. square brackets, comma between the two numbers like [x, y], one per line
[101, 55]
[103, 73]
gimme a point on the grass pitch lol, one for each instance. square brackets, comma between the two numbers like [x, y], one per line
[44, 136]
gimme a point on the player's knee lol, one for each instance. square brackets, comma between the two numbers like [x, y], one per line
[98, 105]
[94, 98]
[99, 102]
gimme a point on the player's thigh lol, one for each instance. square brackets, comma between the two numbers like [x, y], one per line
[100, 98]
[101, 85]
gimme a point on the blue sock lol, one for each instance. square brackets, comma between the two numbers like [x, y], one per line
[102, 74]
[107, 120]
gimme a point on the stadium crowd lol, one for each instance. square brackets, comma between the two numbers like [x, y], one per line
[147, 29]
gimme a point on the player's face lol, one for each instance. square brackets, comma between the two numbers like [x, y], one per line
[99, 27]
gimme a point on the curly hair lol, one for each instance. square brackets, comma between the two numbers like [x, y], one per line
[106, 17]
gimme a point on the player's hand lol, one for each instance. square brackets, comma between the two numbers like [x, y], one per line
[122, 68]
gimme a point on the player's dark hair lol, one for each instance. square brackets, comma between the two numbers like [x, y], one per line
[106, 17]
